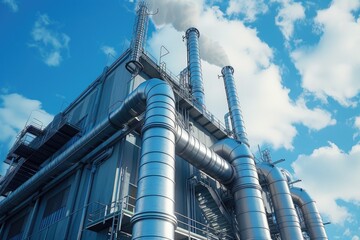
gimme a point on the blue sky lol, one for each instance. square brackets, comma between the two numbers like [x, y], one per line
[296, 66]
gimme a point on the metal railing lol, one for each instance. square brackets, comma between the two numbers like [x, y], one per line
[100, 212]
[175, 80]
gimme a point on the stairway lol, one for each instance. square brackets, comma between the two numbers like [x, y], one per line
[214, 211]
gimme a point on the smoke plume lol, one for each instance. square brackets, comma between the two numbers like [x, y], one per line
[183, 14]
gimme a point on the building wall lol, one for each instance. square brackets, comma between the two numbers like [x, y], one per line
[112, 175]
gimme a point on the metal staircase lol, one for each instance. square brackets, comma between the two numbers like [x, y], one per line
[214, 211]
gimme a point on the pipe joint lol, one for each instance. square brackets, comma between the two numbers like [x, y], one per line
[154, 215]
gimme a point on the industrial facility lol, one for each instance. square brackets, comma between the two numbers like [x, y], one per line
[137, 155]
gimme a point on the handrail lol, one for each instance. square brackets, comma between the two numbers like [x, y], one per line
[114, 207]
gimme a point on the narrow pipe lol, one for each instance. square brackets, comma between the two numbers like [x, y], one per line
[202, 157]
[285, 213]
[227, 123]
[31, 219]
[194, 65]
[72, 200]
[139, 35]
[86, 201]
[313, 221]
[237, 121]
[249, 205]
[96, 104]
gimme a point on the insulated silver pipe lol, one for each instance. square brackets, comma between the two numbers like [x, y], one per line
[155, 215]
[237, 121]
[285, 213]
[202, 157]
[313, 222]
[193, 56]
[138, 39]
[249, 205]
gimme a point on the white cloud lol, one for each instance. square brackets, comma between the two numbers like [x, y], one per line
[289, 13]
[248, 8]
[12, 4]
[355, 237]
[329, 174]
[331, 68]
[51, 43]
[15, 111]
[357, 122]
[269, 113]
[107, 50]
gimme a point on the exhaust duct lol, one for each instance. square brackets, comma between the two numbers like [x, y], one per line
[237, 122]
[138, 39]
[249, 205]
[203, 158]
[193, 56]
[286, 216]
[312, 218]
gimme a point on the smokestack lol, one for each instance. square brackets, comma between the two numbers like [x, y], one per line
[237, 121]
[194, 65]
[138, 39]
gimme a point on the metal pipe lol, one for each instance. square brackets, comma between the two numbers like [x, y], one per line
[237, 121]
[154, 216]
[137, 42]
[227, 123]
[72, 200]
[31, 220]
[95, 105]
[249, 205]
[285, 213]
[202, 157]
[312, 218]
[193, 56]
[86, 201]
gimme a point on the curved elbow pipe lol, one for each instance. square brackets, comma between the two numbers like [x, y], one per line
[202, 157]
[312, 218]
[249, 205]
[286, 216]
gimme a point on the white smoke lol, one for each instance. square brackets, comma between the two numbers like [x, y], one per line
[183, 14]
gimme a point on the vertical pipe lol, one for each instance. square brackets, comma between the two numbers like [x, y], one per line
[154, 216]
[72, 200]
[31, 220]
[249, 205]
[95, 108]
[237, 121]
[313, 221]
[139, 35]
[194, 65]
[286, 216]
[86, 201]
[227, 123]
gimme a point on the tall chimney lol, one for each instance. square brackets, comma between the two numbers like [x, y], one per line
[194, 65]
[138, 39]
[237, 121]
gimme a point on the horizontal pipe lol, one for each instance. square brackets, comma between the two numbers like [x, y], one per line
[202, 157]
[249, 205]
[285, 213]
[312, 218]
